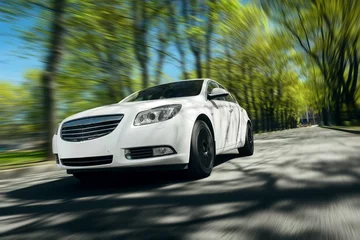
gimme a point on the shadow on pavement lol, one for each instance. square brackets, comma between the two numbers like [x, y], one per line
[69, 187]
[168, 206]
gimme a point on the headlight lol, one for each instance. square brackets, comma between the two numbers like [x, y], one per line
[158, 114]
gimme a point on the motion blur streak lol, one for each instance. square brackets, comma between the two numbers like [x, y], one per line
[289, 63]
[301, 184]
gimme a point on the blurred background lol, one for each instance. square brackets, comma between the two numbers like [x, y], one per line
[289, 63]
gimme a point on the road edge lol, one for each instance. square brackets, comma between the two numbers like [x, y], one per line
[21, 172]
[343, 129]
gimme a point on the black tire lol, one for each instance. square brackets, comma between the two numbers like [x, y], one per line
[248, 148]
[202, 151]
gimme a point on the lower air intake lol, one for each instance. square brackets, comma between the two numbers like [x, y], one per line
[87, 161]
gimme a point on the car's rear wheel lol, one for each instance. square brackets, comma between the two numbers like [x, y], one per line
[248, 148]
[202, 151]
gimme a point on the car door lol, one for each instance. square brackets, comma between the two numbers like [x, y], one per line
[220, 116]
[235, 122]
[233, 135]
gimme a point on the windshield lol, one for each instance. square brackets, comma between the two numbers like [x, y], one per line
[169, 90]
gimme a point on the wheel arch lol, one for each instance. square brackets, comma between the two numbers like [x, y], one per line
[245, 120]
[206, 119]
[249, 121]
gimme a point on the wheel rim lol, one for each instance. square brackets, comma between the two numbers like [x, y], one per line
[205, 148]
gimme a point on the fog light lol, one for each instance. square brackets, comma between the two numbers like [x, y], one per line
[159, 151]
[127, 154]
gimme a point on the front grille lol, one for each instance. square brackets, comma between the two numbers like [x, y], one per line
[87, 161]
[143, 152]
[88, 128]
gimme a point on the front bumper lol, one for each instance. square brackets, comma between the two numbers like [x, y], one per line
[175, 132]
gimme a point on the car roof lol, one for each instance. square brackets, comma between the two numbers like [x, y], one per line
[190, 79]
[196, 79]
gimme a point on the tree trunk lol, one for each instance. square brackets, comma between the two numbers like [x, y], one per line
[49, 76]
[229, 73]
[337, 114]
[286, 120]
[246, 96]
[181, 51]
[253, 103]
[178, 43]
[209, 32]
[351, 108]
[144, 74]
[194, 46]
[325, 116]
[163, 42]
[263, 119]
[277, 120]
[245, 85]
[198, 64]
[141, 25]
[272, 119]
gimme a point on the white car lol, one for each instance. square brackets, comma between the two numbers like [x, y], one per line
[178, 125]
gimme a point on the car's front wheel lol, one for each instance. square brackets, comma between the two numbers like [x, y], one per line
[248, 148]
[202, 151]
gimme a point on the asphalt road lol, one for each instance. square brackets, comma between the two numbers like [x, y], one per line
[300, 184]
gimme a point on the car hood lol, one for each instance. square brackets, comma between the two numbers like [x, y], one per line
[133, 108]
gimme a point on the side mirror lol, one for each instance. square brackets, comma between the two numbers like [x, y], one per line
[217, 92]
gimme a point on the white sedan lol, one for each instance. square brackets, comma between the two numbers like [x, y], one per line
[178, 125]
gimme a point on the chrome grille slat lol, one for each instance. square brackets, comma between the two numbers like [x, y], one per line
[88, 125]
[88, 128]
[87, 132]
[68, 129]
[86, 137]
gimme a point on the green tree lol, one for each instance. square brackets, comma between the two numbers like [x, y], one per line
[55, 50]
[328, 34]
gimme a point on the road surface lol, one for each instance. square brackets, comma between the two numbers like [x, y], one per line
[300, 184]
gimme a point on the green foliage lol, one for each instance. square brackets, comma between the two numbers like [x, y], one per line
[113, 48]
[327, 34]
[13, 158]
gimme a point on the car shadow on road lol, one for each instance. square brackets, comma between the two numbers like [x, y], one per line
[169, 206]
[121, 182]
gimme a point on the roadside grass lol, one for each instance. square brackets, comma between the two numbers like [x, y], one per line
[14, 159]
[348, 127]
